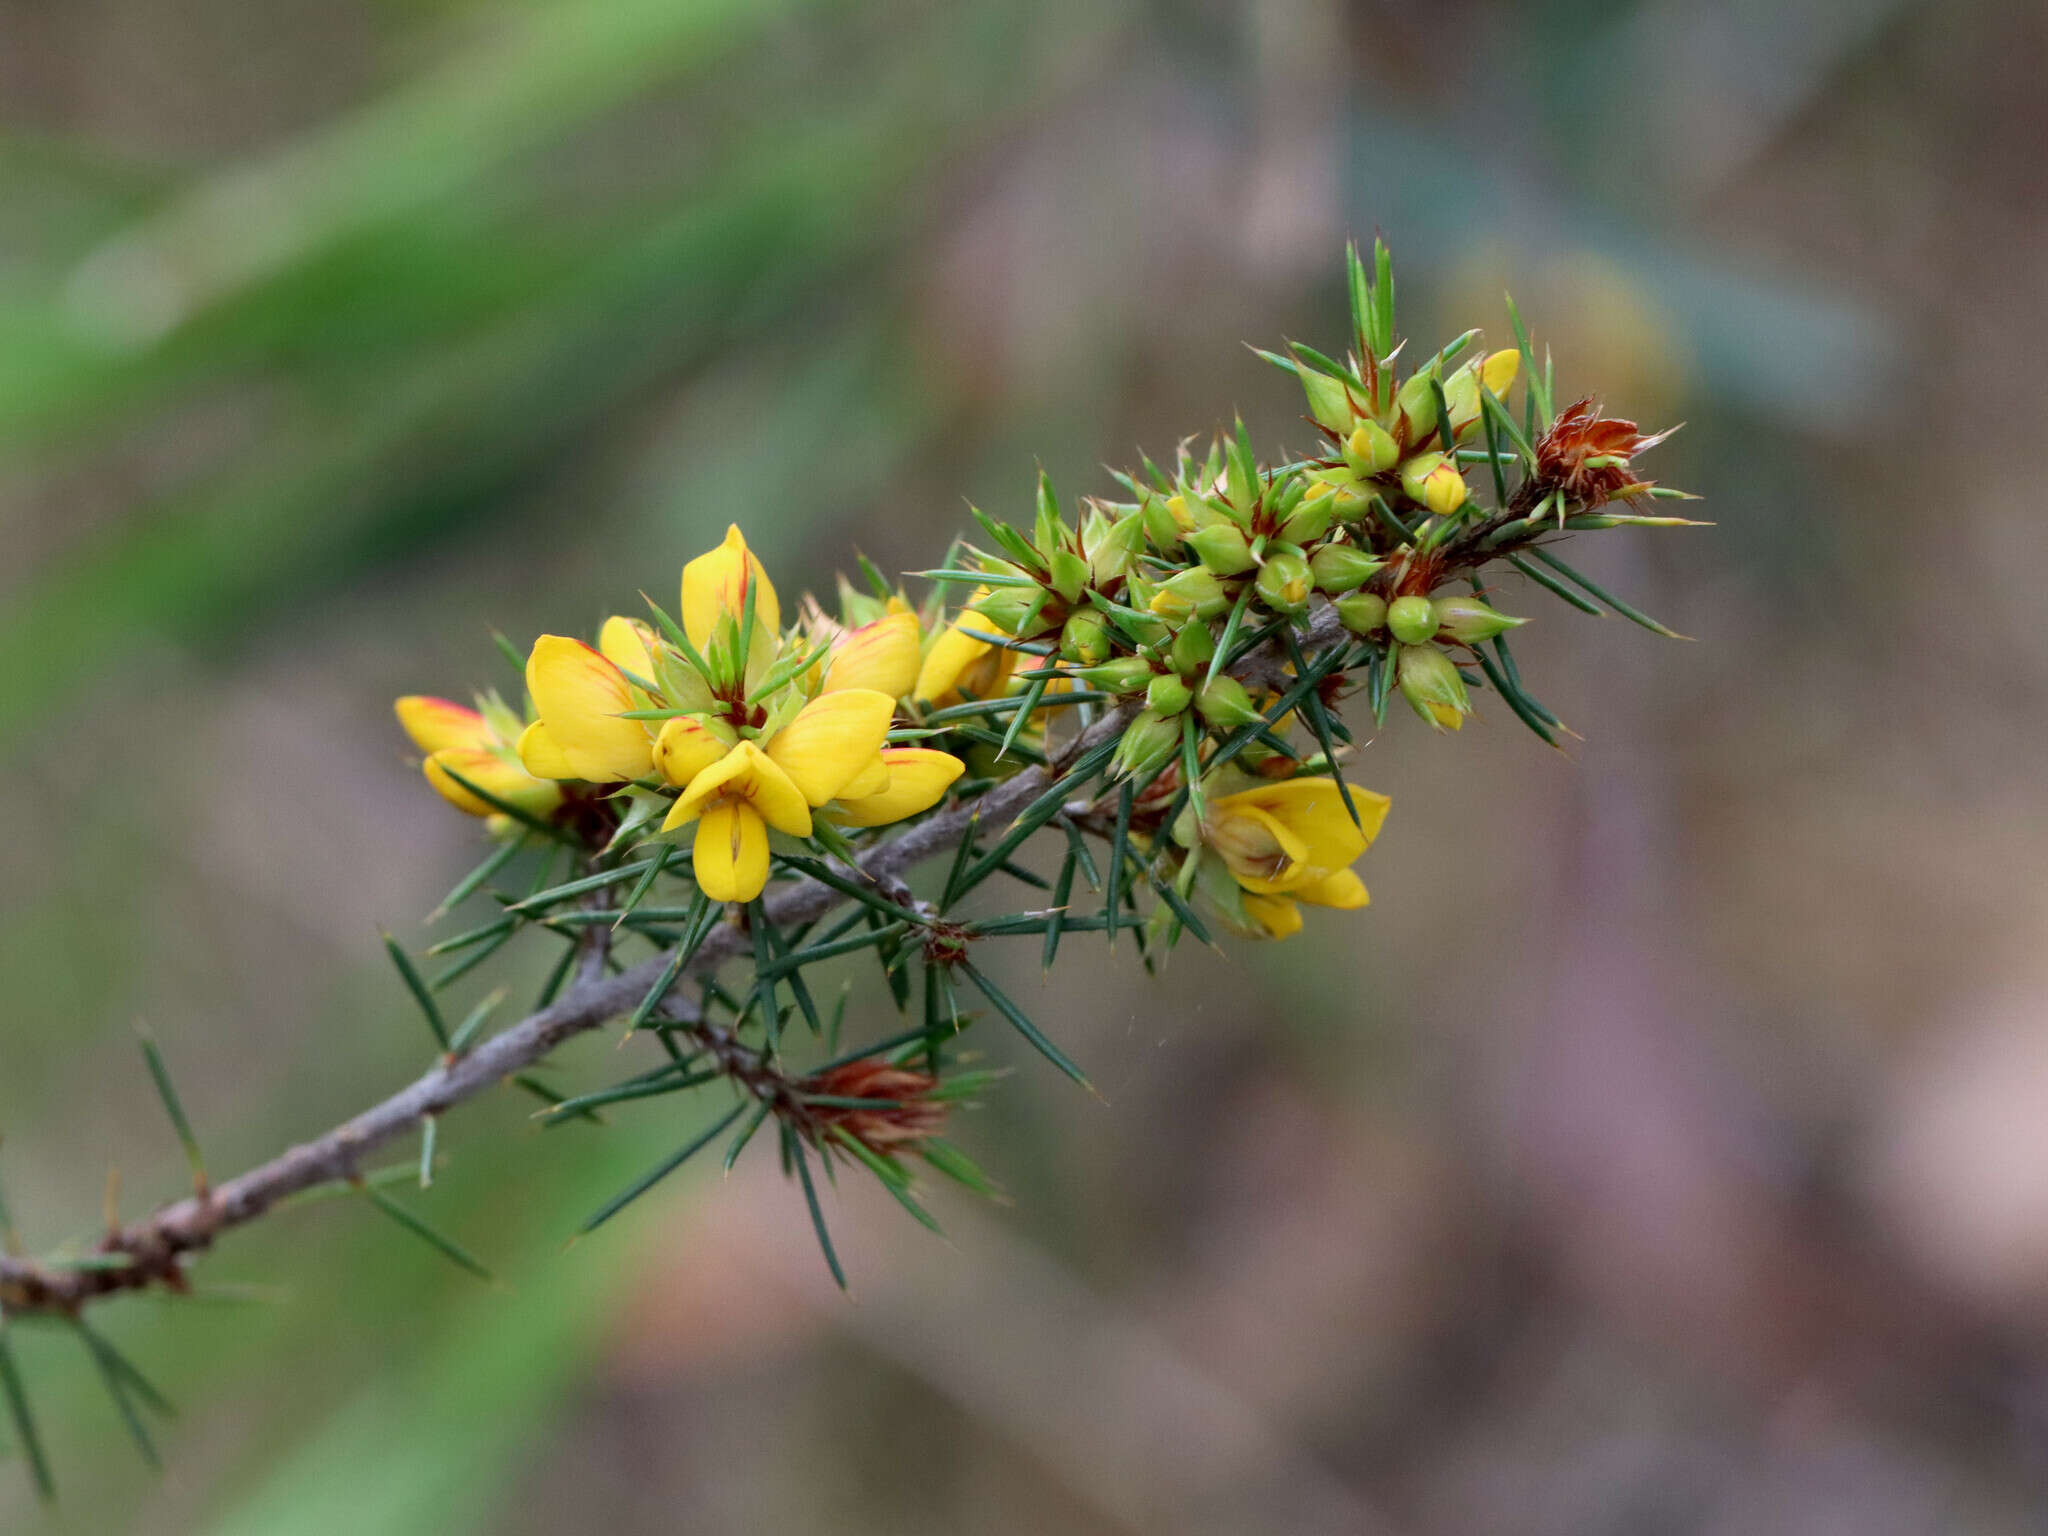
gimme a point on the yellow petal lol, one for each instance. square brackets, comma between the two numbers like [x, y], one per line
[580, 694]
[624, 643]
[685, 748]
[1342, 889]
[871, 780]
[831, 740]
[1498, 372]
[543, 755]
[918, 778]
[939, 674]
[1265, 855]
[730, 856]
[436, 723]
[1279, 917]
[493, 775]
[746, 773]
[716, 583]
[1314, 811]
[882, 656]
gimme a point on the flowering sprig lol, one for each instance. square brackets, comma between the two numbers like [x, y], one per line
[1152, 690]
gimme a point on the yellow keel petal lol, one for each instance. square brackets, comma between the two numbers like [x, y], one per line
[730, 856]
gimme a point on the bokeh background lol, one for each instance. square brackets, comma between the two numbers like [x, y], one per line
[1666, 1150]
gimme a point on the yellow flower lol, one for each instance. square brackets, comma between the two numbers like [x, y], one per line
[580, 694]
[1294, 838]
[917, 778]
[460, 742]
[716, 583]
[882, 656]
[734, 803]
[958, 662]
[832, 745]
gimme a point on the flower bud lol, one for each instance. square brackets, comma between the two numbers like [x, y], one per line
[1363, 613]
[1434, 481]
[1328, 400]
[1192, 649]
[1341, 567]
[1371, 449]
[1161, 526]
[1147, 742]
[1085, 638]
[1222, 548]
[1069, 573]
[1284, 581]
[1193, 593]
[1417, 403]
[1113, 551]
[1412, 619]
[1469, 620]
[1461, 398]
[1431, 685]
[1120, 674]
[1167, 695]
[1003, 609]
[1225, 704]
[1311, 517]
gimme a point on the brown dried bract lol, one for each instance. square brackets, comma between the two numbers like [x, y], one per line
[904, 1113]
[1580, 435]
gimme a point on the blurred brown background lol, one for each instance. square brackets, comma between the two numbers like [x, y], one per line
[1665, 1151]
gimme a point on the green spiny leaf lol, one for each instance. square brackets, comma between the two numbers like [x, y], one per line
[419, 990]
[446, 1246]
[663, 1169]
[1023, 1025]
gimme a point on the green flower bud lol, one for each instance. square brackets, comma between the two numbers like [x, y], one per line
[1222, 548]
[1363, 613]
[1371, 449]
[1147, 742]
[1112, 552]
[1284, 581]
[1191, 649]
[1120, 674]
[1431, 685]
[1470, 620]
[1161, 527]
[1309, 520]
[1434, 481]
[1005, 607]
[1412, 619]
[1341, 567]
[1195, 593]
[1085, 637]
[1167, 695]
[1069, 574]
[1461, 395]
[1328, 400]
[1225, 704]
[1416, 401]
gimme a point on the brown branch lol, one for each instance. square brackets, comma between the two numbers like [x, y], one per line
[156, 1246]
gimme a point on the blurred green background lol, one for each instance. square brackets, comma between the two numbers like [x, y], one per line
[1666, 1150]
